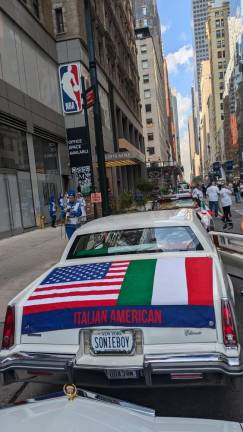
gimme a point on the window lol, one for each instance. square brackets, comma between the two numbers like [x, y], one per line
[148, 108]
[222, 117]
[150, 136]
[219, 44]
[217, 23]
[143, 49]
[59, 20]
[223, 54]
[145, 79]
[223, 43]
[222, 106]
[221, 75]
[145, 22]
[222, 22]
[139, 240]
[145, 64]
[144, 10]
[219, 54]
[147, 93]
[150, 151]
[220, 65]
[149, 122]
[35, 4]
[221, 86]
[221, 96]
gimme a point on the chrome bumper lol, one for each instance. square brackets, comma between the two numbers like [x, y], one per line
[209, 363]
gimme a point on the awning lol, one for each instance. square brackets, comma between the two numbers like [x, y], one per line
[128, 155]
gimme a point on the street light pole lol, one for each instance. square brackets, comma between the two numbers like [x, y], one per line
[96, 110]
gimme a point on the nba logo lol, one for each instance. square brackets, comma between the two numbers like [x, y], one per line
[69, 75]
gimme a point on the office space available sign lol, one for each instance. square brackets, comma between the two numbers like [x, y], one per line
[70, 86]
[80, 156]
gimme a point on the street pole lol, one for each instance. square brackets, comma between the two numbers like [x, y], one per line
[96, 110]
[86, 119]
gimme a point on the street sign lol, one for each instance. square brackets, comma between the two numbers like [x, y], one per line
[70, 86]
[96, 197]
[90, 97]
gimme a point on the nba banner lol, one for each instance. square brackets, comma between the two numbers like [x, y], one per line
[70, 86]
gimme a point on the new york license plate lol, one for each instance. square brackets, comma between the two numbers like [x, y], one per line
[112, 342]
[121, 374]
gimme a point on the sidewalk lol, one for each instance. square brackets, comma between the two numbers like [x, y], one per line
[25, 257]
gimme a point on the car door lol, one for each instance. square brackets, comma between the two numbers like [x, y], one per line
[230, 248]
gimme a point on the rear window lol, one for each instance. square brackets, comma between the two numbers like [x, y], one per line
[134, 241]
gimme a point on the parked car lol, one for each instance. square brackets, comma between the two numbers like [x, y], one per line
[136, 300]
[94, 412]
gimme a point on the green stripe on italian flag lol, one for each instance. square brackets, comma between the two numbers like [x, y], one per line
[168, 281]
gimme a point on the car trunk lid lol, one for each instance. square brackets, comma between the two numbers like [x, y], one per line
[170, 297]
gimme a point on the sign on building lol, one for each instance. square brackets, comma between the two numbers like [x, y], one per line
[80, 157]
[70, 85]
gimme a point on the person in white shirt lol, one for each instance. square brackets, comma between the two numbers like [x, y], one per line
[82, 203]
[197, 195]
[226, 202]
[213, 198]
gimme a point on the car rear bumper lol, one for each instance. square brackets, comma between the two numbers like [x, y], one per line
[154, 367]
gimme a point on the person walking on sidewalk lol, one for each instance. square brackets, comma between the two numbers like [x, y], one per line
[213, 198]
[197, 195]
[226, 202]
[73, 214]
[53, 211]
[236, 190]
[82, 203]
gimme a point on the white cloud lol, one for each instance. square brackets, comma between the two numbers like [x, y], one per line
[182, 57]
[164, 28]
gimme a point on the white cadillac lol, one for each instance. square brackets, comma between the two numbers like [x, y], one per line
[136, 300]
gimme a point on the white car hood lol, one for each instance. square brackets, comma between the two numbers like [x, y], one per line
[81, 415]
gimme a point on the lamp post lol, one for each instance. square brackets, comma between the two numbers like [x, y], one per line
[96, 110]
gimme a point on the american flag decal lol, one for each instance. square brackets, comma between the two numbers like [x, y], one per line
[87, 285]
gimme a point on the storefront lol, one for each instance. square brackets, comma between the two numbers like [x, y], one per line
[16, 209]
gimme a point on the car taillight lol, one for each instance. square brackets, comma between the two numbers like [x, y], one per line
[9, 328]
[229, 326]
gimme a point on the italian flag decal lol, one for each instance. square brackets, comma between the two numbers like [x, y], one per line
[165, 292]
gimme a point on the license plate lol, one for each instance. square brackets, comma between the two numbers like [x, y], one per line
[112, 342]
[121, 374]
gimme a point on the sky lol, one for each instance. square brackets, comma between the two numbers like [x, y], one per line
[176, 29]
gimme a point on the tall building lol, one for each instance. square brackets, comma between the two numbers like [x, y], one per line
[152, 81]
[33, 155]
[219, 55]
[176, 125]
[116, 59]
[199, 17]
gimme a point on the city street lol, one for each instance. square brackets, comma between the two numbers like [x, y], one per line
[42, 248]
[237, 216]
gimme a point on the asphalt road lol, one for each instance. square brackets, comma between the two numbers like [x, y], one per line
[216, 403]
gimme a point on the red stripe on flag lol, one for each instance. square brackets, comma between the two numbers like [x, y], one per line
[75, 293]
[67, 305]
[85, 284]
[199, 275]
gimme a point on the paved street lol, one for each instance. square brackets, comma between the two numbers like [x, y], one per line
[25, 257]
[237, 216]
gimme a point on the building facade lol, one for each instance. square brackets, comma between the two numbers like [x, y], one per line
[33, 153]
[219, 55]
[176, 125]
[152, 81]
[199, 17]
[115, 50]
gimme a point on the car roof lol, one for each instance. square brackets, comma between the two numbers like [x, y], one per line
[175, 217]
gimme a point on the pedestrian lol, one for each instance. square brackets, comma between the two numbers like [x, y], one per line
[204, 190]
[52, 211]
[61, 206]
[213, 197]
[236, 191]
[241, 189]
[226, 202]
[197, 195]
[73, 214]
[82, 203]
